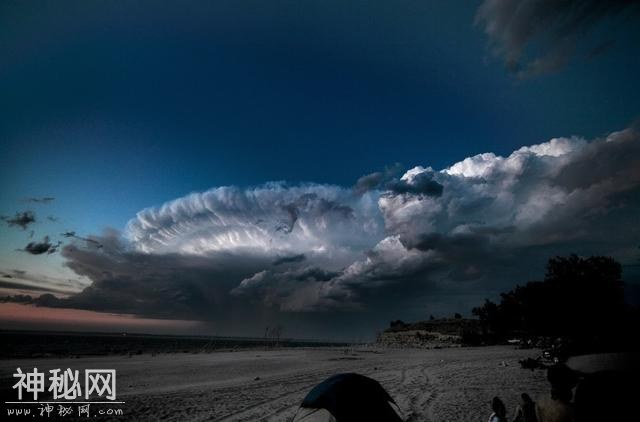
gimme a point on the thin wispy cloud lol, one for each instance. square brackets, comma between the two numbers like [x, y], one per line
[42, 282]
[40, 200]
[73, 235]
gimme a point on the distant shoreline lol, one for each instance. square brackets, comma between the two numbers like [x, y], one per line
[19, 344]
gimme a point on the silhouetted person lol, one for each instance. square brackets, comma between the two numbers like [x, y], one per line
[526, 410]
[557, 407]
[499, 411]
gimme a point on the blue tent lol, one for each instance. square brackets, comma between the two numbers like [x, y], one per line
[348, 398]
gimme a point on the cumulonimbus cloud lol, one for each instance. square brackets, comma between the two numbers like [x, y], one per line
[275, 219]
[474, 228]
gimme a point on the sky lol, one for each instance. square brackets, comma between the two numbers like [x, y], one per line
[328, 166]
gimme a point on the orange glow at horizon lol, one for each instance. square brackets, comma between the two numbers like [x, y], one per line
[65, 318]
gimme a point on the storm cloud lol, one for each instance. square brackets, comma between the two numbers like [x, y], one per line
[275, 219]
[553, 29]
[420, 184]
[290, 259]
[433, 238]
[377, 180]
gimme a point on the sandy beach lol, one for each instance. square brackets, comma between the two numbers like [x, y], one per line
[268, 385]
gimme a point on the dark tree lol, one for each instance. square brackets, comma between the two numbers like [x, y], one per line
[580, 299]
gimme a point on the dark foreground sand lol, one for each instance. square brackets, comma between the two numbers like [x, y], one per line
[428, 385]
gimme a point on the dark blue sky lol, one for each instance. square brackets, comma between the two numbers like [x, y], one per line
[112, 108]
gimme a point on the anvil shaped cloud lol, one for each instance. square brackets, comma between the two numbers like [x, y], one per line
[397, 245]
[271, 220]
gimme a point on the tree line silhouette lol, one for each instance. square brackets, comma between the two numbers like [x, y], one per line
[580, 301]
